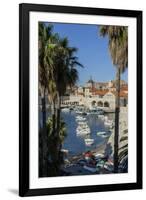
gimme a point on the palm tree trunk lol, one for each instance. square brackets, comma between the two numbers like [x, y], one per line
[53, 117]
[117, 111]
[58, 114]
[44, 138]
[57, 141]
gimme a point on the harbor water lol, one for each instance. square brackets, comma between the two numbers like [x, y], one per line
[74, 143]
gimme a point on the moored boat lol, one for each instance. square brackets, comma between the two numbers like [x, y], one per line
[83, 132]
[65, 109]
[80, 118]
[89, 141]
[101, 117]
[108, 123]
[103, 134]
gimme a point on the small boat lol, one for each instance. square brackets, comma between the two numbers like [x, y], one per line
[100, 164]
[83, 129]
[83, 126]
[108, 123]
[64, 151]
[109, 166]
[83, 132]
[105, 118]
[82, 123]
[102, 134]
[105, 136]
[89, 141]
[101, 117]
[79, 112]
[65, 109]
[96, 111]
[99, 156]
[79, 118]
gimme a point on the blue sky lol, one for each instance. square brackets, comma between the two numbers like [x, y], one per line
[92, 52]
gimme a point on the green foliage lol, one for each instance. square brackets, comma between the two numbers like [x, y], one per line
[55, 157]
[62, 130]
[57, 70]
[123, 152]
[118, 44]
[118, 48]
[124, 138]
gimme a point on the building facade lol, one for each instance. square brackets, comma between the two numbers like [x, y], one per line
[91, 95]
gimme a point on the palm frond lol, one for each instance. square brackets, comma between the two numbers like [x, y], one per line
[124, 138]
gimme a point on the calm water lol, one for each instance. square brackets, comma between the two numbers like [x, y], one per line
[74, 143]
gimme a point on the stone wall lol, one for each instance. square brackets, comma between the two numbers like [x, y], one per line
[122, 127]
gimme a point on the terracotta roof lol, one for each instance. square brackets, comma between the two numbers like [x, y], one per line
[100, 92]
[124, 87]
[122, 94]
[94, 91]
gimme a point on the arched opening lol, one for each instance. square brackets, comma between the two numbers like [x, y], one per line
[125, 102]
[100, 103]
[106, 104]
[93, 103]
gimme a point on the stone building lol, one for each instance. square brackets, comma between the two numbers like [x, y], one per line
[97, 94]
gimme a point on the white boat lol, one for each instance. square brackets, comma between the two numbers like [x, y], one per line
[96, 111]
[108, 123]
[89, 141]
[82, 123]
[65, 109]
[105, 118]
[79, 118]
[79, 112]
[99, 156]
[83, 132]
[82, 129]
[65, 151]
[101, 117]
[109, 166]
[103, 134]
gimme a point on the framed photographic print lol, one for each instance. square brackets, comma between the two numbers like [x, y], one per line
[80, 100]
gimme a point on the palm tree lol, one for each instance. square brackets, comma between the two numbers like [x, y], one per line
[123, 152]
[118, 47]
[53, 163]
[61, 64]
[44, 35]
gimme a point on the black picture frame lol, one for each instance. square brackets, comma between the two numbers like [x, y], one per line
[24, 9]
